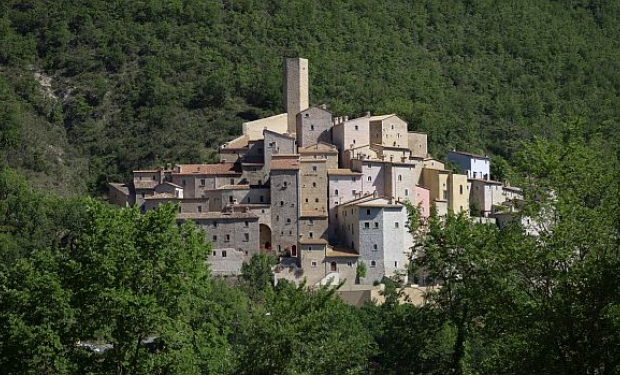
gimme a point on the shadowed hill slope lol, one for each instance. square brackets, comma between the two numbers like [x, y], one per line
[90, 92]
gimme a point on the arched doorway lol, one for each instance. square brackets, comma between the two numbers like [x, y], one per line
[333, 267]
[265, 238]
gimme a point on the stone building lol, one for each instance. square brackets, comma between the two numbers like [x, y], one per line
[285, 202]
[322, 192]
[296, 89]
[233, 235]
[314, 126]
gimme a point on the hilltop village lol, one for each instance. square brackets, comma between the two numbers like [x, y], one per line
[323, 193]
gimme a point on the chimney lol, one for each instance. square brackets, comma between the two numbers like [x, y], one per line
[346, 118]
[367, 113]
[324, 106]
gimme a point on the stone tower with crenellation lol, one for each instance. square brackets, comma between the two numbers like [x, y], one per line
[295, 90]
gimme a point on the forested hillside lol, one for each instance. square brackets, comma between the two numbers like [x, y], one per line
[91, 90]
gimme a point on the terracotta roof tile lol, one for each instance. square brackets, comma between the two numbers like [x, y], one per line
[286, 163]
[217, 215]
[343, 172]
[208, 169]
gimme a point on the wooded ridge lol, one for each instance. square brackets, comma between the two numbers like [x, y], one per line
[92, 91]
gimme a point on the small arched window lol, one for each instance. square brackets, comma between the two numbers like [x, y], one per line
[369, 178]
[400, 177]
[336, 192]
[373, 264]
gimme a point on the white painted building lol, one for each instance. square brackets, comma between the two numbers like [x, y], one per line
[375, 228]
[474, 166]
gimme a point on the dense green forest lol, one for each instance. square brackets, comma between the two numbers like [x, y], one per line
[91, 90]
[76, 272]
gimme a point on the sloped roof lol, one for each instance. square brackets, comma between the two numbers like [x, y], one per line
[234, 187]
[208, 169]
[160, 196]
[217, 215]
[149, 184]
[284, 162]
[343, 172]
[321, 147]
[469, 154]
[381, 117]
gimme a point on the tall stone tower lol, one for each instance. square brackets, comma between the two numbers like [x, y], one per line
[295, 89]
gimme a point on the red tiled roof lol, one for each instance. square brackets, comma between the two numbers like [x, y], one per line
[217, 215]
[343, 172]
[285, 163]
[208, 169]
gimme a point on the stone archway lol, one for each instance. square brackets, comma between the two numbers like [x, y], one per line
[265, 238]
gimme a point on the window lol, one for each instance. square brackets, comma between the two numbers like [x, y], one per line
[314, 168]
[396, 224]
[306, 200]
[277, 217]
[374, 247]
[349, 264]
[183, 182]
[311, 127]
[400, 177]
[285, 184]
[376, 224]
[396, 264]
[227, 238]
[142, 195]
[461, 189]
[214, 238]
[316, 200]
[333, 266]
[215, 253]
[354, 141]
[310, 222]
[353, 192]
[232, 181]
[314, 184]
[288, 220]
[392, 126]
[366, 225]
[294, 251]
[369, 179]
[311, 234]
[313, 264]
[368, 212]
[223, 253]
[281, 203]
[261, 199]
[246, 224]
[246, 237]
[202, 182]
[406, 192]
[179, 209]
[336, 192]
[373, 264]
[199, 208]
[215, 224]
[357, 127]
[369, 166]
